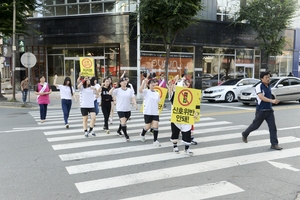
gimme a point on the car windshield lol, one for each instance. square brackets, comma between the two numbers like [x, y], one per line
[231, 82]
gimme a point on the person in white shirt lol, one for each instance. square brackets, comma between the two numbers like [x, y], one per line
[176, 128]
[94, 82]
[150, 111]
[87, 106]
[67, 92]
[123, 97]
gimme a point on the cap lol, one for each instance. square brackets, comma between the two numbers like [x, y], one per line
[121, 80]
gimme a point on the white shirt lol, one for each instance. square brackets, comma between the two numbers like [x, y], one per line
[87, 98]
[123, 98]
[65, 92]
[151, 100]
[97, 86]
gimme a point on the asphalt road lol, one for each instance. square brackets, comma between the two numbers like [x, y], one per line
[46, 161]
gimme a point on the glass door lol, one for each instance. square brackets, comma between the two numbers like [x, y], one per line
[244, 70]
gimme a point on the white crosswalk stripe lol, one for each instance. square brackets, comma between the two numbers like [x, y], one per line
[87, 155]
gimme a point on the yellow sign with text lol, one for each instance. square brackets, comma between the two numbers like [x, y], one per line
[87, 67]
[186, 106]
[162, 93]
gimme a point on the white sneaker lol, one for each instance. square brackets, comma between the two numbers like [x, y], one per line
[189, 152]
[143, 139]
[110, 120]
[92, 134]
[156, 143]
[176, 150]
[107, 131]
[86, 134]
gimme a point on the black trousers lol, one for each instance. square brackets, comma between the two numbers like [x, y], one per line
[106, 112]
[260, 116]
[186, 136]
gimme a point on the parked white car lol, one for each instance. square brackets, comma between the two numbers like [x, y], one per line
[229, 90]
[283, 89]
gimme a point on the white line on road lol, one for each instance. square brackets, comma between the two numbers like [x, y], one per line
[183, 170]
[121, 150]
[200, 192]
[76, 169]
[231, 107]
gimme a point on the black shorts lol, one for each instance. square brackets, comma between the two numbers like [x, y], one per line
[149, 118]
[86, 111]
[124, 114]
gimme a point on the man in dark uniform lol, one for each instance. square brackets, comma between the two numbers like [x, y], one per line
[264, 111]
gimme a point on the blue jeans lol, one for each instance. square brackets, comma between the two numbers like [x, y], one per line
[24, 95]
[66, 107]
[43, 111]
[261, 116]
[96, 105]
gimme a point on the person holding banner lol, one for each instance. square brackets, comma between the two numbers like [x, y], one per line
[150, 111]
[176, 128]
[42, 91]
[87, 105]
[123, 96]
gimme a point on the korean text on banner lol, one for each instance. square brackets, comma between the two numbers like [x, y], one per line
[87, 66]
[186, 106]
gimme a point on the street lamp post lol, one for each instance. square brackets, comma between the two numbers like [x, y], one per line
[14, 51]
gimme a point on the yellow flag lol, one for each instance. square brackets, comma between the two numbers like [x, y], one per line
[87, 67]
[186, 106]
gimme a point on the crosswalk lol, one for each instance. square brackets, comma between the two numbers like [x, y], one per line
[114, 163]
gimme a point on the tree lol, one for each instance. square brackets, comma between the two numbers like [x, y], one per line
[268, 18]
[24, 9]
[164, 19]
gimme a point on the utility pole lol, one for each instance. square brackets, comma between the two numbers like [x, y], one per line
[14, 51]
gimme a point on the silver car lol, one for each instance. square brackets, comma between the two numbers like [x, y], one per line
[283, 89]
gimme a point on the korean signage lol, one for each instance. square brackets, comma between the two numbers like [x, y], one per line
[178, 63]
[186, 106]
[87, 66]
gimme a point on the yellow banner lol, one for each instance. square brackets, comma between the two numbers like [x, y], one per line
[162, 93]
[87, 67]
[186, 106]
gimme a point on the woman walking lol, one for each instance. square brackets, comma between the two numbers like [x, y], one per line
[150, 111]
[94, 83]
[66, 91]
[87, 106]
[176, 128]
[42, 91]
[123, 97]
[111, 114]
[106, 100]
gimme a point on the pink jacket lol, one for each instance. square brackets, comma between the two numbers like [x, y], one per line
[43, 99]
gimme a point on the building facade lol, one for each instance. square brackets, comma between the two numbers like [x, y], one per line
[62, 31]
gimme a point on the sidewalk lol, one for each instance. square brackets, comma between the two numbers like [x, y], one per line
[55, 101]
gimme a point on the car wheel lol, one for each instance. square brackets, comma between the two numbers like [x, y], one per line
[229, 97]
[246, 104]
[211, 100]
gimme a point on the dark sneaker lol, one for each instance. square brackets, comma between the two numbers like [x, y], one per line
[120, 134]
[193, 142]
[67, 125]
[276, 147]
[244, 138]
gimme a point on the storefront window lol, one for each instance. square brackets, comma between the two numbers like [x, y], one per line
[281, 65]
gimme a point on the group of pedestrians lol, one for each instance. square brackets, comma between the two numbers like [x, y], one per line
[123, 98]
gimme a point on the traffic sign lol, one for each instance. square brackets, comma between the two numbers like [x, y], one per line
[28, 60]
